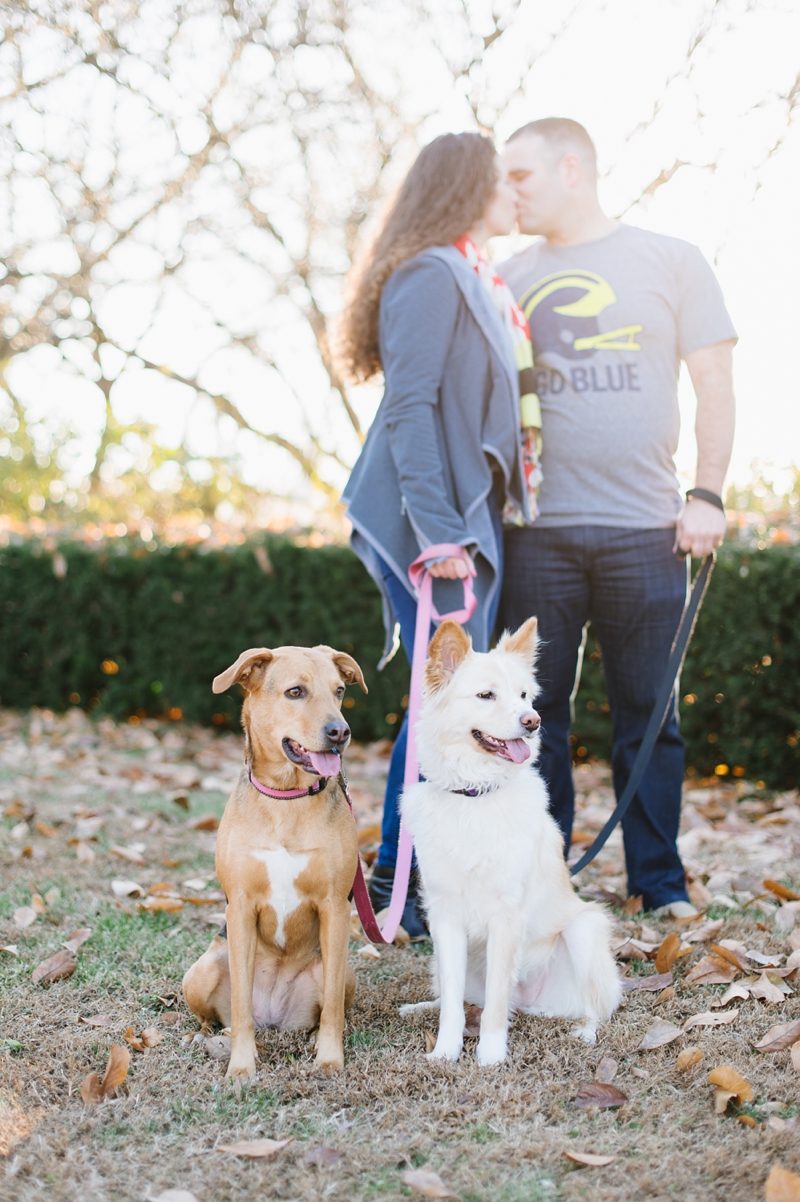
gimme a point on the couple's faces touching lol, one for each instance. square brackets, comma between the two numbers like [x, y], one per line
[534, 188]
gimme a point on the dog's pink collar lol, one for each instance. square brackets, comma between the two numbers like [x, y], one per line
[287, 794]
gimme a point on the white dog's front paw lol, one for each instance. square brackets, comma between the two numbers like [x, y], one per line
[588, 1032]
[411, 1008]
[445, 1049]
[492, 1049]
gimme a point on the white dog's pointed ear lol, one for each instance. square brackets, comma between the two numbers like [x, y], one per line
[524, 642]
[244, 670]
[449, 647]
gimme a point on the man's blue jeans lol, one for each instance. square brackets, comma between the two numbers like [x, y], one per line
[632, 588]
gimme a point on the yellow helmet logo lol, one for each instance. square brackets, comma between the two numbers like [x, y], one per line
[597, 296]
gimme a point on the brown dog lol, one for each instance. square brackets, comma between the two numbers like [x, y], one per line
[287, 866]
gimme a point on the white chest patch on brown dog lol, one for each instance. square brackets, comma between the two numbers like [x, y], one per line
[283, 869]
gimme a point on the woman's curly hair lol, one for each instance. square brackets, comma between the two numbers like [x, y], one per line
[445, 193]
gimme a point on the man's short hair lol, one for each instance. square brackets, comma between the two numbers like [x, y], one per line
[562, 136]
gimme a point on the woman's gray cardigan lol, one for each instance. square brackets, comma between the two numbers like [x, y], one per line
[451, 400]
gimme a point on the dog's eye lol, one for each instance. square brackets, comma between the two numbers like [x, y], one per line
[524, 696]
[297, 691]
[486, 696]
[340, 691]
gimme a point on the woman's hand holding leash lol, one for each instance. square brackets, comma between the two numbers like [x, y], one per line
[455, 567]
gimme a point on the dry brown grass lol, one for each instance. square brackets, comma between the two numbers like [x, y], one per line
[494, 1135]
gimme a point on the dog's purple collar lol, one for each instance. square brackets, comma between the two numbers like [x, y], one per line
[288, 794]
[476, 792]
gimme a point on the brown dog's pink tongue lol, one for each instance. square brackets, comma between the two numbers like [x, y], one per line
[518, 750]
[327, 763]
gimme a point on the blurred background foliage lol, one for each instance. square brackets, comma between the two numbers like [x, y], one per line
[134, 633]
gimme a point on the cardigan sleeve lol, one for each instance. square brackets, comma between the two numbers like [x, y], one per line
[419, 309]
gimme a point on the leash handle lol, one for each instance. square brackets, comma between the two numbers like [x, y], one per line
[663, 698]
[421, 579]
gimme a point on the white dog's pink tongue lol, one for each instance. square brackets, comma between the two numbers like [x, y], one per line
[518, 750]
[327, 763]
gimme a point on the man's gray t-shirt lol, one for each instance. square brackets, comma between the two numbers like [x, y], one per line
[610, 321]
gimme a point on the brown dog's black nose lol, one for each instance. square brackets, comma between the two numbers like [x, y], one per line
[531, 721]
[337, 732]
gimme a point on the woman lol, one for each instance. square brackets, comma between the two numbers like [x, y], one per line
[443, 456]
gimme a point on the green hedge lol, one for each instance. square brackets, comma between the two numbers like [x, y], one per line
[170, 619]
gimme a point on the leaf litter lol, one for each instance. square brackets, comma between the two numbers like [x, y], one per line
[93, 1090]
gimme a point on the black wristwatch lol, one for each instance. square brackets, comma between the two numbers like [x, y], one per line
[705, 494]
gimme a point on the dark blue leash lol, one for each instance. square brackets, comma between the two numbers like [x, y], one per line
[660, 709]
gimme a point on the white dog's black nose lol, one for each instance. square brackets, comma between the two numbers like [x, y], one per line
[531, 721]
[337, 732]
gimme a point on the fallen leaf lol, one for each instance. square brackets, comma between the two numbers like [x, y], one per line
[707, 1019]
[647, 984]
[472, 1022]
[731, 954]
[84, 852]
[257, 1149]
[731, 1086]
[43, 828]
[711, 970]
[11, 948]
[162, 887]
[705, 932]
[127, 889]
[606, 1070]
[598, 1093]
[766, 990]
[590, 1159]
[91, 1093]
[430, 1042]
[77, 938]
[777, 1038]
[93, 1090]
[38, 904]
[52, 895]
[687, 1059]
[24, 917]
[794, 941]
[782, 1186]
[777, 1124]
[794, 961]
[172, 1195]
[169, 904]
[781, 891]
[170, 1018]
[204, 822]
[130, 1038]
[666, 995]
[218, 1047]
[54, 968]
[168, 863]
[98, 1020]
[737, 992]
[632, 906]
[665, 956]
[765, 961]
[327, 1157]
[659, 1034]
[746, 1120]
[128, 853]
[699, 896]
[795, 1056]
[429, 1184]
[151, 1036]
[369, 952]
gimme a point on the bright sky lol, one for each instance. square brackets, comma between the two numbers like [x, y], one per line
[620, 67]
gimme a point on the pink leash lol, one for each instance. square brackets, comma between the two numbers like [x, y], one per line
[422, 581]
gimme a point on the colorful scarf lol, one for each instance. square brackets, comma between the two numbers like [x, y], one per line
[514, 321]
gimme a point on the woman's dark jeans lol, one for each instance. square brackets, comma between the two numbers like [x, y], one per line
[405, 608]
[632, 588]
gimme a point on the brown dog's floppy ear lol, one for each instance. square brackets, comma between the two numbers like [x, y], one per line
[349, 669]
[524, 642]
[449, 648]
[240, 672]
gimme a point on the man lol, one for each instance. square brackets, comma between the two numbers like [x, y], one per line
[612, 311]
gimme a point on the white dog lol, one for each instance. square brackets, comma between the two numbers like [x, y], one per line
[508, 930]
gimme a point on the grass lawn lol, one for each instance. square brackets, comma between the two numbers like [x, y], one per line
[70, 788]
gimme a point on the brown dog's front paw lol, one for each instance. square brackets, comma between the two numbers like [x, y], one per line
[242, 1069]
[329, 1065]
